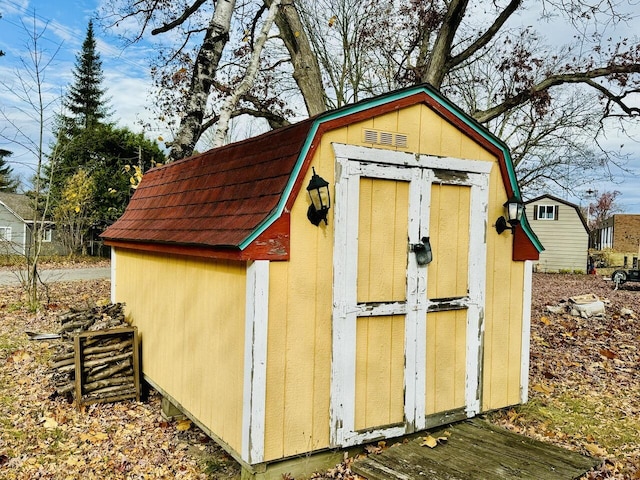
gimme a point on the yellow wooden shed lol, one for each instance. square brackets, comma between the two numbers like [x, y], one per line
[282, 338]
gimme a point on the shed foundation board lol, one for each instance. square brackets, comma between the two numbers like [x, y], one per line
[475, 450]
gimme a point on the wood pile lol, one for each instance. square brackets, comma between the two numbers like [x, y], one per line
[99, 343]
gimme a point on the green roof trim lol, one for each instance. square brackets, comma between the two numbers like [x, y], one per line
[375, 102]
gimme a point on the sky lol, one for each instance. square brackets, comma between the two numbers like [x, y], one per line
[126, 70]
[128, 81]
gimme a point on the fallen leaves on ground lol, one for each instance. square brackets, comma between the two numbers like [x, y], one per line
[584, 377]
[43, 437]
[584, 384]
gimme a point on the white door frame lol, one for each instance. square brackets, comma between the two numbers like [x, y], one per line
[352, 162]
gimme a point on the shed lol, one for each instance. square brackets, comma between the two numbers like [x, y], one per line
[563, 231]
[281, 338]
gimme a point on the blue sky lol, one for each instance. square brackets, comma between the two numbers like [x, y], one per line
[126, 71]
[127, 79]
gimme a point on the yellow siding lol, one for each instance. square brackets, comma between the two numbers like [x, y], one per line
[503, 318]
[171, 300]
[449, 238]
[446, 360]
[300, 301]
[382, 245]
[299, 343]
[379, 371]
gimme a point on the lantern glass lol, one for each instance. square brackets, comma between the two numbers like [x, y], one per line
[318, 189]
[514, 208]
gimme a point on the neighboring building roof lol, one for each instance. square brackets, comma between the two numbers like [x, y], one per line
[18, 204]
[231, 196]
[565, 202]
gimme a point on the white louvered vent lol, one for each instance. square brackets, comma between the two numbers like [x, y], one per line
[388, 139]
[370, 136]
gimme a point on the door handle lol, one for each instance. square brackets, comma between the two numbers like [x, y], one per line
[424, 254]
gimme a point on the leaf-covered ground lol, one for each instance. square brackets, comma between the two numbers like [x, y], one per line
[584, 395]
[48, 438]
[585, 374]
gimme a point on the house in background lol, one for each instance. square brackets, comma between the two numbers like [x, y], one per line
[562, 230]
[619, 236]
[16, 227]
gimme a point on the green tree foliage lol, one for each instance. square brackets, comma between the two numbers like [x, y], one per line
[106, 153]
[72, 214]
[8, 182]
[88, 142]
[85, 101]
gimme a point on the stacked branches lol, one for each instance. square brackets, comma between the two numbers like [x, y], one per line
[106, 359]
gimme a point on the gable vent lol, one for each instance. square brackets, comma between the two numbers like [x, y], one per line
[388, 139]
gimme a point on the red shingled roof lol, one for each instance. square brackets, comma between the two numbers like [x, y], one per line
[215, 199]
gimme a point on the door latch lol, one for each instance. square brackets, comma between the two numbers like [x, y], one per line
[423, 252]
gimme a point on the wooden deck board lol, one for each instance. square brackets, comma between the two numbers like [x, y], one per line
[476, 450]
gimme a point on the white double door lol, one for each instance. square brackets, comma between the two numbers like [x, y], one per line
[406, 336]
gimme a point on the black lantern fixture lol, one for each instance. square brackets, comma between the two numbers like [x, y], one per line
[318, 189]
[514, 209]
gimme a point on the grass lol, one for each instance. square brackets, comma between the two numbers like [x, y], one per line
[598, 417]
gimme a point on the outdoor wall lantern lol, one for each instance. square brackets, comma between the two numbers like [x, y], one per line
[513, 208]
[318, 189]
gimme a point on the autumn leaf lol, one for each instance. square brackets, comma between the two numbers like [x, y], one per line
[542, 388]
[429, 441]
[608, 354]
[595, 450]
[545, 320]
[49, 422]
[183, 425]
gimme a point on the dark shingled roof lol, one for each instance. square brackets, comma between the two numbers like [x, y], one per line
[19, 204]
[215, 199]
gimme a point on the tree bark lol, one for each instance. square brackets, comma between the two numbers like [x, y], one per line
[306, 70]
[204, 71]
[250, 76]
[435, 70]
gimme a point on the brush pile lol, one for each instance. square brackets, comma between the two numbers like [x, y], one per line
[101, 344]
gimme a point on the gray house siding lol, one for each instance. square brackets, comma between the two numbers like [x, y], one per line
[16, 228]
[563, 232]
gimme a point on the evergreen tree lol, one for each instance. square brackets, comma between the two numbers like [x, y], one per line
[85, 100]
[8, 182]
[87, 142]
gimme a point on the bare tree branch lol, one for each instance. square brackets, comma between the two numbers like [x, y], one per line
[180, 20]
[552, 81]
[486, 37]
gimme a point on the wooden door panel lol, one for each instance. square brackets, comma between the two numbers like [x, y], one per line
[382, 241]
[445, 360]
[379, 371]
[449, 236]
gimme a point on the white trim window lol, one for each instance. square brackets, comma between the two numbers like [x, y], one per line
[546, 212]
[46, 235]
[5, 234]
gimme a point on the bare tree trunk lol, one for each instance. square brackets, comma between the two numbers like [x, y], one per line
[250, 76]
[306, 70]
[204, 72]
[435, 70]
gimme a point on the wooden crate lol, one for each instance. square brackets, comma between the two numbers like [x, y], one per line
[97, 365]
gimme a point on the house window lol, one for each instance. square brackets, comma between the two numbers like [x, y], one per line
[5, 234]
[546, 212]
[46, 235]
